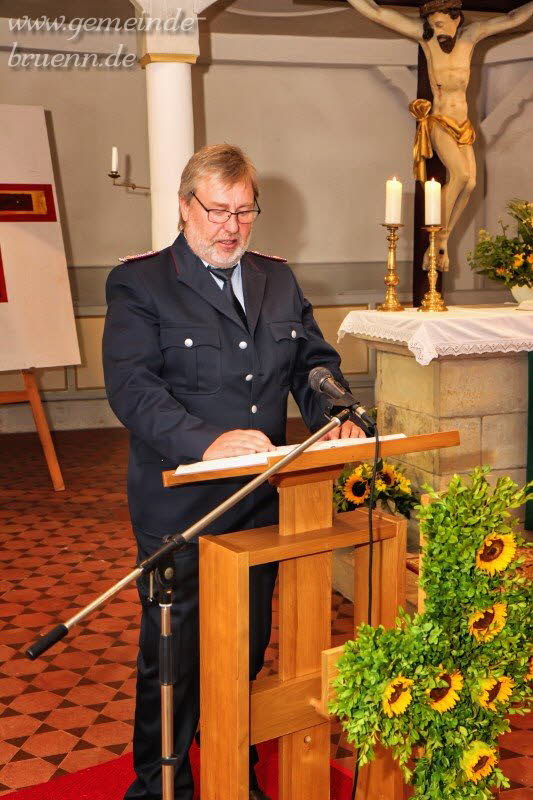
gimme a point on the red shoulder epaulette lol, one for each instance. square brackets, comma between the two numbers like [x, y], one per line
[139, 256]
[264, 255]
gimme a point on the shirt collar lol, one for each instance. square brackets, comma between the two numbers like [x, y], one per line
[207, 264]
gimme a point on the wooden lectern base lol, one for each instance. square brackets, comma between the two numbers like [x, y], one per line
[292, 706]
[287, 706]
[30, 394]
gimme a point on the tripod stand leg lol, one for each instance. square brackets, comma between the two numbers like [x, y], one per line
[164, 575]
[167, 704]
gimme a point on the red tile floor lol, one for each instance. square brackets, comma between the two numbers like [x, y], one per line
[73, 707]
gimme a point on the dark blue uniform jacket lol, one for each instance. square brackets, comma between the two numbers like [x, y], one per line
[178, 362]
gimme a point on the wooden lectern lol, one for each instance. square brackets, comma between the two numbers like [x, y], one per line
[292, 706]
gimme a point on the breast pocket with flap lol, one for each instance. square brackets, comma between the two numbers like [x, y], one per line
[288, 335]
[192, 358]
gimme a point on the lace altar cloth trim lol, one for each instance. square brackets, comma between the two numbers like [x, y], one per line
[458, 331]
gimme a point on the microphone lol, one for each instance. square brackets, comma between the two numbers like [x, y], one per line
[321, 380]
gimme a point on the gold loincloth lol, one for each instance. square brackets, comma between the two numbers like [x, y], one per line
[463, 134]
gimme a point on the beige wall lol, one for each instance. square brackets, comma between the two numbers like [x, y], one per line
[49, 380]
[88, 112]
[324, 138]
[324, 147]
[508, 155]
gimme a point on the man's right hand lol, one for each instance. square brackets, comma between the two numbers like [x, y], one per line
[238, 443]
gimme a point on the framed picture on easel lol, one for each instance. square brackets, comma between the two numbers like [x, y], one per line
[37, 324]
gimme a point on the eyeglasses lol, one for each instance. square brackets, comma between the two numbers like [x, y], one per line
[221, 215]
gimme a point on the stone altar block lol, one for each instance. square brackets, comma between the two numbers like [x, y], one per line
[464, 369]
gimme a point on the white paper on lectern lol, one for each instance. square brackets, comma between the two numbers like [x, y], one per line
[261, 459]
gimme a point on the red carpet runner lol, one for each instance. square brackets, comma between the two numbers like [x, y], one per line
[109, 781]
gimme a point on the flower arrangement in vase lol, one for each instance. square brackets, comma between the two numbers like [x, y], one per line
[508, 260]
[392, 488]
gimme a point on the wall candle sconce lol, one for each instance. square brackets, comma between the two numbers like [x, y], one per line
[114, 174]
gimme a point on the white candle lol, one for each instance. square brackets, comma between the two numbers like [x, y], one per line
[393, 202]
[114, 159]
[432, 202]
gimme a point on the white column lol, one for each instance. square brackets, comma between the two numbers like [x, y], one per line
[167, 48]
[171, 141]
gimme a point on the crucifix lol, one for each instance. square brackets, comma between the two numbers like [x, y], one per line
[445, 136]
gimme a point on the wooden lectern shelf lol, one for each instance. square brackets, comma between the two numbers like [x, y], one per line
[264, 545]
[317, 460]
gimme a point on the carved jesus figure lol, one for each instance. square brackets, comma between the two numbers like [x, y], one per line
[448, 45]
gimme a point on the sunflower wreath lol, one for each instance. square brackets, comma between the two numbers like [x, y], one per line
[437, 688]
[392, 488]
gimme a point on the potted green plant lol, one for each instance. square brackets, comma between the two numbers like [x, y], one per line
[508, 259]
[438, 687]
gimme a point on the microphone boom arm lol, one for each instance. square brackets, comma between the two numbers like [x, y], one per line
[179, 540]
[357, 414]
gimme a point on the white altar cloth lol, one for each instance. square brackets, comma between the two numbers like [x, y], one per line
[458, 331]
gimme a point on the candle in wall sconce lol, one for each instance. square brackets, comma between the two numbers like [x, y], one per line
[114, 174]
[393, 202]
[432, 198]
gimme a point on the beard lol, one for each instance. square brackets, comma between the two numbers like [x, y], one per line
[447, 43]
[216, 256]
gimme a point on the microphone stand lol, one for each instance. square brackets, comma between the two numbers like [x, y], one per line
[161, 563]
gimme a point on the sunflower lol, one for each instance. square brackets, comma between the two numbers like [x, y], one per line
[529, 674]
[356, 488]
[496, 552]
[530, 258]
[518, 259]
[397, 696]
[443, 698]
[495, 690]
[485, 625]
[387, 475]
[478, 761]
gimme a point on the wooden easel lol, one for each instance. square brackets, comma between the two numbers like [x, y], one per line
[292, 706]
[30, 394]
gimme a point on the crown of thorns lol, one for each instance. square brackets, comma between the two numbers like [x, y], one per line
[438, 5]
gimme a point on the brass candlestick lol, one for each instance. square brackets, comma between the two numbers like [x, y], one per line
[391, 278]
[432, 300]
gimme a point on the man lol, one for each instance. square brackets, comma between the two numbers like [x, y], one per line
[196, 369]
[448, 46]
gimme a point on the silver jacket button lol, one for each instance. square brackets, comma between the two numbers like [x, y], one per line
[254, 409]
[293, 334]
[188, 342]
[248, 377]
[243, 345]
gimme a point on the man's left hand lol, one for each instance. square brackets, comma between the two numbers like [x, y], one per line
[348, 430]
